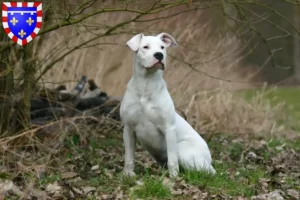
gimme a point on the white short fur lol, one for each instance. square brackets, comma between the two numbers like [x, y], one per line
[148, 113]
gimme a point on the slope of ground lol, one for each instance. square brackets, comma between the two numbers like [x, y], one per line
[246, 167]
[87, 163]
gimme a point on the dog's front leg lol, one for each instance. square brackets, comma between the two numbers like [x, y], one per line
[129, 138]
[171, 140]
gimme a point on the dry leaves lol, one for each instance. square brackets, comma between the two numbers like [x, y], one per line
[275, 195]
[67, 175]
[293, 194]
[180, 187]
[54, 189]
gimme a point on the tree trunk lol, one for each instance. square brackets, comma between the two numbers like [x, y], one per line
[20, 116]
[6, 86]
[29, 72]
[297, 45]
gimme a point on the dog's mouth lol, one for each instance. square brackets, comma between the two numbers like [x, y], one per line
[158, 65]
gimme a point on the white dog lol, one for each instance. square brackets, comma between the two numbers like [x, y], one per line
[148, 113]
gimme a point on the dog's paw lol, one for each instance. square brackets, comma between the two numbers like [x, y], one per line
[173, 170]
[129, 173]
[173, 174]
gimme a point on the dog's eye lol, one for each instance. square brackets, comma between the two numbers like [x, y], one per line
[146, 47]
[162, 47]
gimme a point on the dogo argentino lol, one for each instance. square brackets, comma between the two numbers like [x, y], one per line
[148, 113]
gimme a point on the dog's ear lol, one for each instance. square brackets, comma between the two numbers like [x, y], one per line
[167, 39]
[135, 41]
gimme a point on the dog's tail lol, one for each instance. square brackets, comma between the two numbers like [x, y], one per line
[206, 167]
[212, 170]
[195, 163]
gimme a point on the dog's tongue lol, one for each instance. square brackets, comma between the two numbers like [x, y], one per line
[159, 66]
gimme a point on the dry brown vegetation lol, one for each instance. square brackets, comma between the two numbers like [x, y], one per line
[203, 41]
[222, 111]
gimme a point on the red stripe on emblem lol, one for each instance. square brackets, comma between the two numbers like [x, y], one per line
[36, 4]
[7, 30]
[4, 7]
[15, 39]
[39, 24]
[24, 42]
[4, 19]
[33, 35]
[39, 13]
[13, 4]
[24, 4]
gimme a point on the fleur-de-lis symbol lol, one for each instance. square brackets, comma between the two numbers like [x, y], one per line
[29, 21]
[22, 33]
[14, 21]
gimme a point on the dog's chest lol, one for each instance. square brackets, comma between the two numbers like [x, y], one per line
[144, 110]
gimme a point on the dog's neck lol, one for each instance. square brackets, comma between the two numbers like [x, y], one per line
[146, 82]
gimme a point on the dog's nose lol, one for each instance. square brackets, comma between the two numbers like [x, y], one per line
[159, 56]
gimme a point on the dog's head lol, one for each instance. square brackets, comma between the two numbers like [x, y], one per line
[151, 50]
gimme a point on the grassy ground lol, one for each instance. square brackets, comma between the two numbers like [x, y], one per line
[289, 95]
[246, 166]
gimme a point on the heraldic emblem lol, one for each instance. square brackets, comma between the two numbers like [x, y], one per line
[22, 20]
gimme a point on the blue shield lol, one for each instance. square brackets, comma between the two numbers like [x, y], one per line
[22, 20]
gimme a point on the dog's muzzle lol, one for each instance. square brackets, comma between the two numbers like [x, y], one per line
[158, 65]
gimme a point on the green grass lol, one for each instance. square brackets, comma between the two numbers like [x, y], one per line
[96, 181]
[127, 182]
[4, 175]
[12, 198]
[235, 151]
[92, 198]
[152, 187]
[230, 179]
[289, 95]
[295, 144]
[50, 179]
